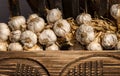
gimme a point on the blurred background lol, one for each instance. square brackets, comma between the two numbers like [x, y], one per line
[5, 13]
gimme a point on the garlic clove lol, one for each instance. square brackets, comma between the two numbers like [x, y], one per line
[109, 40]
[85, 34]
[47, 37]
[15, 36]
[3, 46]
[28, 38]
[61, 28]
[53, 15]
[83, 18]
[4, 31]
[32, 16]
[15, 47]
[34, 48]
[36, 24]
[17, 23]
[52, 47]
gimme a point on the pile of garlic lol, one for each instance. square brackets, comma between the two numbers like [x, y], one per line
[56, 33]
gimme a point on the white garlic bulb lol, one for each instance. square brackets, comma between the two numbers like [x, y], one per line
[34, 48]
[15, 36]
[4, 31]
[3, 46]
[95, 45]
[53, 15]
[61, 28]
[52, 47]
[115, 11]
[32, 16]
[118, 46]
[17, 23]
[47, 37]
[109, 40]
[36, 24]
[85, 34]
[15, 47]
[83, 18]
[28, 38]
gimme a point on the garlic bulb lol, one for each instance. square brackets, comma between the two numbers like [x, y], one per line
[85, 34]
[32, 16]
[15, 36]
[4, 32]
[15, 47]
[115, 12]
[52, 47]
[83, 18]
[109, 40]
[61, 28]
[34, 48]
[17, 23]
[3, 46]
[28, 38]
[118, 46]
[95, 45]
[53, 15]
[36, 24]
[47, 37]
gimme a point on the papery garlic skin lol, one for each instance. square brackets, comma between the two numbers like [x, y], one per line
[47, 37]
[3, 46]
[28, 38]
[17, 23]
[53, 15]
[83, 18]
[52, 47]
[15, 36]
[15, 47]
[32, 16]
[36, 25]
[4, 31]
[109, 41]
[34, 48]
[61, 28]
[94, 46]
[85, 34]
[115, 11]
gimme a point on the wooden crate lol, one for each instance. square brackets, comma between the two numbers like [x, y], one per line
[60, 63]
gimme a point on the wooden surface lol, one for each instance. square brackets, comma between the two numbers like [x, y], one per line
[63, 63]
